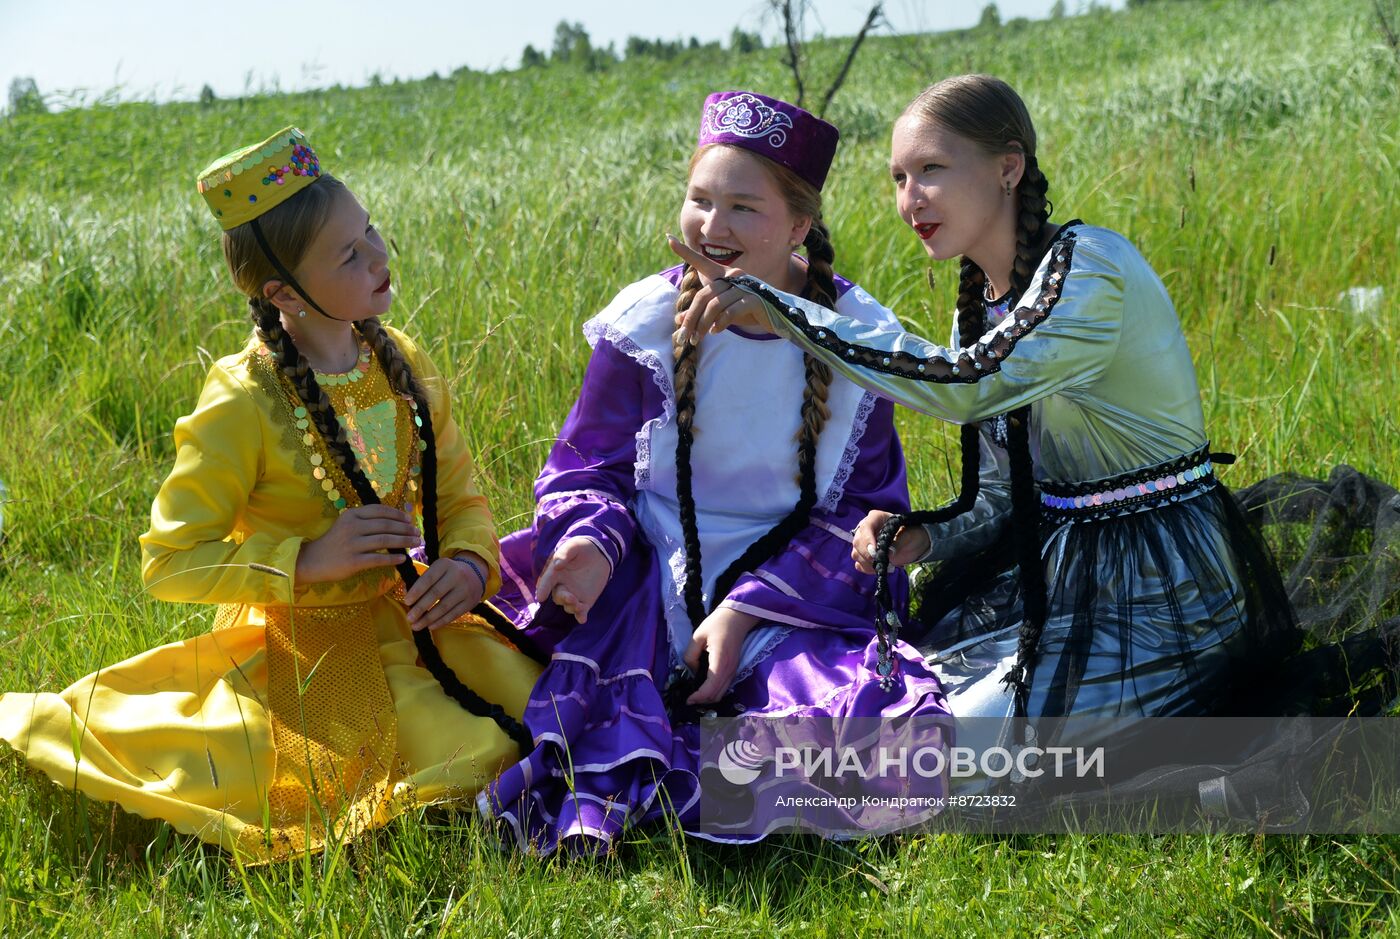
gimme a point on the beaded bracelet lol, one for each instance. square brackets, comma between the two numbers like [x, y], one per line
[476, 568]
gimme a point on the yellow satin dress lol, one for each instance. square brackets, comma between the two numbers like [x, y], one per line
[304, 717]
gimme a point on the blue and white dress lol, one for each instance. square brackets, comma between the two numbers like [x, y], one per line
[1160, 594]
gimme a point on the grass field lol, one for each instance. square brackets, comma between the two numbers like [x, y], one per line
[1250, 149]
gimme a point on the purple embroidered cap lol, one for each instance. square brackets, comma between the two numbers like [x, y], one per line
[782, 132]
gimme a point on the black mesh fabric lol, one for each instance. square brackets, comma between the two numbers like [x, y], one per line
[1320, 565]
[1330, 547]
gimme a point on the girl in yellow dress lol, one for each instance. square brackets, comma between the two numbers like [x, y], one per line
[319, 704]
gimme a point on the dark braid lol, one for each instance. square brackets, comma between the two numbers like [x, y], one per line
[820, 286]
[686, 355]
[1031, 226]
[268, 324]
[1025, 519]
[821, 278]
[972, 320]
[402, 379]
[972, 309]
[1032, 213]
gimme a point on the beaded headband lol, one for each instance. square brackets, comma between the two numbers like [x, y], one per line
[244, 184]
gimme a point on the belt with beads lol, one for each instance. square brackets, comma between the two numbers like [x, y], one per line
[1132, 492]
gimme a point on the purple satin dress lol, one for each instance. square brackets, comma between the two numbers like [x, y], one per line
[607, 753]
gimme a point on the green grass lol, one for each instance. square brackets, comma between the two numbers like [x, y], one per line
[1249, 149]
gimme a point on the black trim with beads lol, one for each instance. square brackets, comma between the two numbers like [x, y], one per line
[1191, 472]
[974, 362]
[1183, 462]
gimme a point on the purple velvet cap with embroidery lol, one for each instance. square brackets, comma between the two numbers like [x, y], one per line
[782, 132]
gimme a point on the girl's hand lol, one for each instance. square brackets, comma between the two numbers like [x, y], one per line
[447, 590]
[576, 574]
[909, 545]
[718, 304]
[364, 537]
[721, 635]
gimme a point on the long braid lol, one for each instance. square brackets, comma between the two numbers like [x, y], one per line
[1025, 524]
[821, 277]
[687, 356]
[268, 324]
[1034, 211]
[404, 382]
[820, 286]
[972, 318]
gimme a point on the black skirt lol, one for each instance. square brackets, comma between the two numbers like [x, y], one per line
[1281, 600]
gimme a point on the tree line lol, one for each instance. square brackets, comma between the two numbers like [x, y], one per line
[573, 46]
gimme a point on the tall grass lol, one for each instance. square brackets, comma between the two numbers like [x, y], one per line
[1249, 149]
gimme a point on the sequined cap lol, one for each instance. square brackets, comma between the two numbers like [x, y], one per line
[782, 132]
[244, 184]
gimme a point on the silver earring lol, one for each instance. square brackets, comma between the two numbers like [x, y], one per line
[301, 314]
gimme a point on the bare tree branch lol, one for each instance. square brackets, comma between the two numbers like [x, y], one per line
[870, 20]
[792, 31]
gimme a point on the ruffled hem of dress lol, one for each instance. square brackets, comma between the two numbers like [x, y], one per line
[596, 727]
[774, 639]
[579, 793]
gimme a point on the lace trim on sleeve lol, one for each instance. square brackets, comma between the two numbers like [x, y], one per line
[659, 374]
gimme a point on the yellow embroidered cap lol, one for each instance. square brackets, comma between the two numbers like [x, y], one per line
[246, 183]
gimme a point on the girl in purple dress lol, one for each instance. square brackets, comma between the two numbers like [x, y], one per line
[690, 554]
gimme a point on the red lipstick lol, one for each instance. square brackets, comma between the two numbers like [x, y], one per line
[384, 286]
[925, 230]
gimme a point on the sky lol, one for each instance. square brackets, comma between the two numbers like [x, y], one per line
[83, 50]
